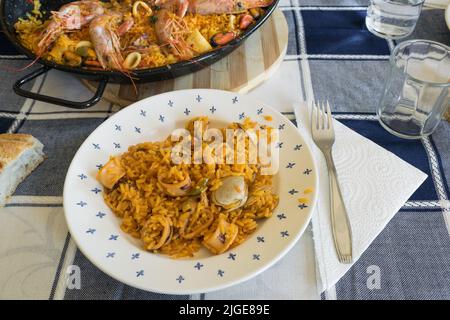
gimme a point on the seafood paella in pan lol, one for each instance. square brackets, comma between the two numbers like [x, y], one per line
[130, 35]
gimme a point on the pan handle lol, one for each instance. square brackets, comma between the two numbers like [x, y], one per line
[62, 102]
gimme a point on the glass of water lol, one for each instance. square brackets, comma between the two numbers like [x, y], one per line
[393, 19]
[416, 93]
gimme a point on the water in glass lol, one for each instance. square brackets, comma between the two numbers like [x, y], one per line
[393, 19]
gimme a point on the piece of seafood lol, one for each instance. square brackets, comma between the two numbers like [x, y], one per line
[232, 194]
[171, 31]
[104, 37]
[71, 16]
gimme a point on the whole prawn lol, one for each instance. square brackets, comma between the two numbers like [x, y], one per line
[171, 30]
[106, 42]
[71, 16]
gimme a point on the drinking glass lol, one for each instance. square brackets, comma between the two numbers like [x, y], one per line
[393, 19]
[416, 93]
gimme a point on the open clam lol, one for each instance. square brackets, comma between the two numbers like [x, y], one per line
[232, 194]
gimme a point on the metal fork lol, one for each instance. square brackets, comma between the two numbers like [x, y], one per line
[323, 135]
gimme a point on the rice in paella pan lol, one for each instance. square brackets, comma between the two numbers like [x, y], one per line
[133, 34]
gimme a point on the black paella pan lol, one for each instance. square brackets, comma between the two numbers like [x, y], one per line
[12, 10]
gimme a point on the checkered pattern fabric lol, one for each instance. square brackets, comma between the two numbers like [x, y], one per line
[331, 55]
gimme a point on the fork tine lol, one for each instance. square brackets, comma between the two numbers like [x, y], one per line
[330, 119]
[322, 116]
[316, 115]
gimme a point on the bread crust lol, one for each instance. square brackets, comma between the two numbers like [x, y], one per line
[12, 146]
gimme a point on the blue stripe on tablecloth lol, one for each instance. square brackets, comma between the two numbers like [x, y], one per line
[5, 124]
[422, 210]
[345, 33]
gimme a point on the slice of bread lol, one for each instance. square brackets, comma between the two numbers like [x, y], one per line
[20, 154]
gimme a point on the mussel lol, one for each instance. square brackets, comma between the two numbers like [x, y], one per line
[245, 21]
[222, 38]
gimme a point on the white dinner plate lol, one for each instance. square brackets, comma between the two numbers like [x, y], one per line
[96, 230]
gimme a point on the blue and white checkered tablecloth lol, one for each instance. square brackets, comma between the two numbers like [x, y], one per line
[331, 55]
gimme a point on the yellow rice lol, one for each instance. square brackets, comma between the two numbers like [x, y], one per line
[29, 32]
[139, 199]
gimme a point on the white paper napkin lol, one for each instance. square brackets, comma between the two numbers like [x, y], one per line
[375, 184]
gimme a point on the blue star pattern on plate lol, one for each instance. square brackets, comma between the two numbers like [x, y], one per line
[90, 230]
[232, 256]
[281, 216]
[135, 256]
[96, 146]
[81, 204]
[82, 176]
[221, 270]
[302, 206]
[290, 165]
[307, 171]
[235, 100]
[161, 118]
[100, 215]
[96, 190]
[139, 273]
[198, 266]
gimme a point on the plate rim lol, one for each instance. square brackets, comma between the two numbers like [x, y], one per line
[228, 283]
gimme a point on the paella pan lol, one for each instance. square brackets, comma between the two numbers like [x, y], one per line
[127, 41]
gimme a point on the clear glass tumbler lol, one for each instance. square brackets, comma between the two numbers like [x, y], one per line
[416, 93]
[393, 19]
